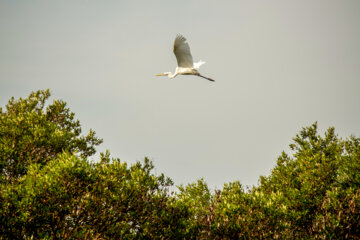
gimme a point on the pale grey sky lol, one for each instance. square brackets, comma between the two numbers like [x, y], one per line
[278, 66]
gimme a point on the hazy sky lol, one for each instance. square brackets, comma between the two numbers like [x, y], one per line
[278, 66]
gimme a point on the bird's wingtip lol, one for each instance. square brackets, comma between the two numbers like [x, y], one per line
[180, 37]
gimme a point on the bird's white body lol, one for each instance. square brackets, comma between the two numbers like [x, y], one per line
[186, 66]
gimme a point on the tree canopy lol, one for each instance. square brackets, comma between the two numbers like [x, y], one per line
[50, 190]
[31, 132]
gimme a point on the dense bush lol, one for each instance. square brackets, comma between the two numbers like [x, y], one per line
[71, 198]
[313, 194]
[49, 190]
[33, 133]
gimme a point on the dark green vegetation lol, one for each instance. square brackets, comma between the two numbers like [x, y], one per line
[49, 190]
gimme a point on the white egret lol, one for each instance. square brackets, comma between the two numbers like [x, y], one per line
[186, 66]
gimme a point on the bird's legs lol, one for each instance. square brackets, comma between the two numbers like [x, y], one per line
[205, 77]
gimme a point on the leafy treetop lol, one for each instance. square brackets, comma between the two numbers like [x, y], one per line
[31, 132]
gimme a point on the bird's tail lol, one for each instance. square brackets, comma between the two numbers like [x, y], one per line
[198, 64]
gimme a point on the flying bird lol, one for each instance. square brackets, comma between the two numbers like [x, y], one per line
[185, 63]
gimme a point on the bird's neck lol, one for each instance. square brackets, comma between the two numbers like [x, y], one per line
[171, 75]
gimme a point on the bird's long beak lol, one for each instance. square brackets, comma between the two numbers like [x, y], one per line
[161, 74]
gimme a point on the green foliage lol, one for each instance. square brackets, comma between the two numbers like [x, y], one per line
[31, 132]
[196, 199]
[313, 194]
[71, 198]
[49, 190]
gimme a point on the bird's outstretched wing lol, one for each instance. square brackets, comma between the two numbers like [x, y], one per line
[182, 52]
